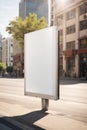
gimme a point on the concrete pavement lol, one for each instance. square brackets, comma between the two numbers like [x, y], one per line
[21, 117]
[19, 112]
[56, 122]
[25, 119]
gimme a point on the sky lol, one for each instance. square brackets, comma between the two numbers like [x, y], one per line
[9, 9]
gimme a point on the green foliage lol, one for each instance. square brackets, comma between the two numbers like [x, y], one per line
[9, 69]
[19, 27]
[2, 66]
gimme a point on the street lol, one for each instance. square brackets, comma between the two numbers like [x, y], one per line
[19, 112]
[74, 90]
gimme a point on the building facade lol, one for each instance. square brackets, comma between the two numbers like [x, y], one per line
[40, 7]
[71, 18]
[7, 51]
[0, 48]
[18, 60]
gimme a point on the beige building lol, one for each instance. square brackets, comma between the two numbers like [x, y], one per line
[0, 47]
[0, 54]
[18, 60]
[7, 51]
[71, 18]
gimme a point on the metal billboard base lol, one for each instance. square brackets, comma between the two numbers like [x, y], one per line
[45, 104]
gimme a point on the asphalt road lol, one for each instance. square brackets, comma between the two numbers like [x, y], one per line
[15, 108]
[74, 90]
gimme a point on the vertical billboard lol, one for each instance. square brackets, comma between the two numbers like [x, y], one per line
[41, 63]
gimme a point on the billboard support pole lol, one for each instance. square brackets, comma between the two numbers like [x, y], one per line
[45, 104]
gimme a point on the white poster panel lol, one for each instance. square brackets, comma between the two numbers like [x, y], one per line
[41, 63]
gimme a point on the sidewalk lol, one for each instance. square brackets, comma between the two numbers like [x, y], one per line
[39, 120]
[59, 122]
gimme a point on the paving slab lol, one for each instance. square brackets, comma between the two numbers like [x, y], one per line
[55, 122]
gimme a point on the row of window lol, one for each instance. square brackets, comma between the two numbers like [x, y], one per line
[72, 14]
[71, 45]
[72, 29]
[83, 8]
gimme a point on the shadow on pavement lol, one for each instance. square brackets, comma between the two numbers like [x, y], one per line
[69, 81]
[26, 120]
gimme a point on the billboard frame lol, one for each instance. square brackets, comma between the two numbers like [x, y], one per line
[44, 96]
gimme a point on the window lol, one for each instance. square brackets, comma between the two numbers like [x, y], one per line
[11, 56]
[11, 61]
[11, 44]
[83, 24]
[70, 45]
[51, 16]
[60, 34]
[83, 43]
[70, 29]
[83, 8]
[70, 15]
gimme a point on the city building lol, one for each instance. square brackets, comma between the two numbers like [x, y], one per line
[71, 18]
[40, 7]
[0, 39]
[18, 60]
[0, 47]
[7, 51]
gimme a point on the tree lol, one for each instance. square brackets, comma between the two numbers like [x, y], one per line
[19, 27]
[2, 66]
[9, 69]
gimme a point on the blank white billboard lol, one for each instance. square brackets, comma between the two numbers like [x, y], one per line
[41, 63]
